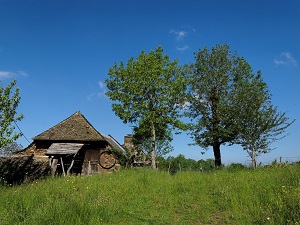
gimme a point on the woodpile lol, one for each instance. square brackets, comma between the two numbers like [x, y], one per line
[16, 170]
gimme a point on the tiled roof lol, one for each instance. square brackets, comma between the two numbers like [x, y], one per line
[74, 128]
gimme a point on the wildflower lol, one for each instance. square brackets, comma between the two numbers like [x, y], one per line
[268, 218]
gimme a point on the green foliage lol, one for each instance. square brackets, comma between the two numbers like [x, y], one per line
[179, 163]
[120, 156]
[9, 101]
[260, 123]
[233, 167]
[142, 138]
[262, 196]
[147, 91]
[229, 104]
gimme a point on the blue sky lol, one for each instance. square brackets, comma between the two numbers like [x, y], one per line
[60, 53]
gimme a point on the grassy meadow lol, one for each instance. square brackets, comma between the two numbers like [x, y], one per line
[261, 196]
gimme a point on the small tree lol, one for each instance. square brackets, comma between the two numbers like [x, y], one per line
[142, 138]
[260, 122]
[215, 86]
[9, 101]
[148, 88]
[9, 149]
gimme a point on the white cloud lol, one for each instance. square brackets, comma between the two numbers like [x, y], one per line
[279, 62]
[9, 74]
[22, 73]
[100, 94]
[5, 74]
[90, 97]
[96, 95]
[286, 58]
[181, 49]
[179, 34]
[101, 84]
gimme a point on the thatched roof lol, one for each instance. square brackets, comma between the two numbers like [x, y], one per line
[74, 128]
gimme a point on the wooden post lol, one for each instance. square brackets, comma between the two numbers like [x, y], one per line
[70, 167]
[169, 167]
[62, 166]
[89, 168]
[53, 166]
[72, 163]
[50, 161]
[280, 160]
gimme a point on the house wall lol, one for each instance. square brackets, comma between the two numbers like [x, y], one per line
[91, 163]
[86, 162]
[36, 149]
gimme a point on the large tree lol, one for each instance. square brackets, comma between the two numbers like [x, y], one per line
[9, 101]
[215, 96]
[260, 123]
[148, 88]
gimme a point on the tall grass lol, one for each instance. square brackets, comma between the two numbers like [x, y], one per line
[263, 196]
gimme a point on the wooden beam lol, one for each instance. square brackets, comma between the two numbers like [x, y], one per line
[70, 167]
[53, 166]
[89, 168]
[62, 166]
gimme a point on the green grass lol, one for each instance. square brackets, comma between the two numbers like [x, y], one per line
[262, 196]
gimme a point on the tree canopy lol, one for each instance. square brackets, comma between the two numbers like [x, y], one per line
[9, 101]
[142, 138]
[147, 91]
[215, 96]
[260, 122]
[226, 102]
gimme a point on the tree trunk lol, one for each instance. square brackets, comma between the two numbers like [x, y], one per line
[253, 159]
[153, 153]
[217, 154]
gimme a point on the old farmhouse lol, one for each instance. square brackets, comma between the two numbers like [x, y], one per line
[74, 146]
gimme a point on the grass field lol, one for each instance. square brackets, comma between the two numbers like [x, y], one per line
[262, 196]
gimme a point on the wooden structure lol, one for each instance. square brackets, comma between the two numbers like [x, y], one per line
[74, 146]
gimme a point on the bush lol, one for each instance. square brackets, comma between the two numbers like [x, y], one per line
[235, 167]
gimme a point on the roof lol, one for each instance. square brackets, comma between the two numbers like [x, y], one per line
[74, 128]
[63, 148]
[113, 143]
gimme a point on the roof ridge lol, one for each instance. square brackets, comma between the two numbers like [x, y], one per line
[89, 123]
[74, 127]
[57, 124]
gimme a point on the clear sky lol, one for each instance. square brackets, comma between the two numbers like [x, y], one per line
[60, 53]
